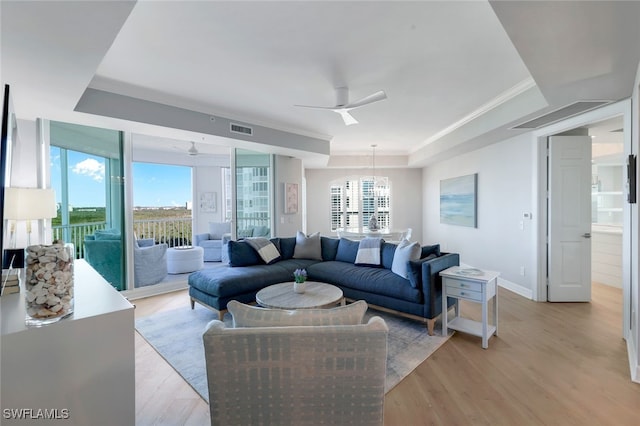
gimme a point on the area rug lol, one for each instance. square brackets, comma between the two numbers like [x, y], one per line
[177, 336]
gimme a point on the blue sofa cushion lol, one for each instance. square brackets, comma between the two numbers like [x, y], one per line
[228, 281]
[387, 253]
[414, 270]
[347, 250]
[427, 250]
[329, 248]
[365, 278]
[242, 254]
[287, 247]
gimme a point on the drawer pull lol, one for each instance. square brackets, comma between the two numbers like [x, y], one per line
[462, 293]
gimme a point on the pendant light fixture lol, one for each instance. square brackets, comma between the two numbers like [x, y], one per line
[373, 219]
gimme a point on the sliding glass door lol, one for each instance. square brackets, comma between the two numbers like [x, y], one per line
[254, 194]
[87, 176]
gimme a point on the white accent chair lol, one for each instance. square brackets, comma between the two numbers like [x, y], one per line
[212, 242]
[296, 375]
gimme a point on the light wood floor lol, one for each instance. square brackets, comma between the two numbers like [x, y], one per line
[552, 364]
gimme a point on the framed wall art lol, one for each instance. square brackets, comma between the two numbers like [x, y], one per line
[290, 198]
[459, 201]
[208, 202]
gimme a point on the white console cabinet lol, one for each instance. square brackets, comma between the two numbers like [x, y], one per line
[78, 371]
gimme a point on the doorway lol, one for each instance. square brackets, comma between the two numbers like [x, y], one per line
[621, 112]
[607, 188]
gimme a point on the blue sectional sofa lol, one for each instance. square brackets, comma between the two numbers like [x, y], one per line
[418, 297]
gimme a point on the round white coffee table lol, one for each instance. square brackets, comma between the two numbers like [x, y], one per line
[317, 295]
[181, 260]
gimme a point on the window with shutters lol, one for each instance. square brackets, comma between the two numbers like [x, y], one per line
[354, 200]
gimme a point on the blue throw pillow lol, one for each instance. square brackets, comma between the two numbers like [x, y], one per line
[287, 247]
[276, 242]
[427, 250]
[242, 254]
[329, 248]
[414, 270]
[347, 250]
[388, 251]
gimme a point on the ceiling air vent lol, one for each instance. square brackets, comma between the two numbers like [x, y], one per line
[243, 130]
[560, 114]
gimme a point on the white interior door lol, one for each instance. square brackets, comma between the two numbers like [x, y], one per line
[569, 218]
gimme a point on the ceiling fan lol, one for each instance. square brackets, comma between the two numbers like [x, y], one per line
[343, 106]
[192, 151]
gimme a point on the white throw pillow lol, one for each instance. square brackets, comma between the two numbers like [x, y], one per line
[254, 316]
[405, 252]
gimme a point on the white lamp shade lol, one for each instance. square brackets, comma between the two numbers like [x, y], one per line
[29, 203]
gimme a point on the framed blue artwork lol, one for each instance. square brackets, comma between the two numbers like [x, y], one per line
[459, 201]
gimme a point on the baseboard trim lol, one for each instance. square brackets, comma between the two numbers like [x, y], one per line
[634, 368]
[154, 290]
[511, 286]
[516, 288]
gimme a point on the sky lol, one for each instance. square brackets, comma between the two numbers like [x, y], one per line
[154, 185]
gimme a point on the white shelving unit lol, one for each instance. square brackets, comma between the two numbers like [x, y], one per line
[607, 197]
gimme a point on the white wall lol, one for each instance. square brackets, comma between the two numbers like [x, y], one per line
[24, 174]
[207, 180]
[406, 199]
[503, 239]
[287, 170]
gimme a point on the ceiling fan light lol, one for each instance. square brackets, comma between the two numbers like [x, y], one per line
[193, 151]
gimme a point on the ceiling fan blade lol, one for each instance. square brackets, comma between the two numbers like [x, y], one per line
[346, 117]
[378, 96]
[314, 107]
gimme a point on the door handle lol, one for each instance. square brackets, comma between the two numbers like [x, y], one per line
[586, 235]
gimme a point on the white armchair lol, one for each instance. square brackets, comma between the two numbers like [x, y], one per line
[212, 242]
[297, 375]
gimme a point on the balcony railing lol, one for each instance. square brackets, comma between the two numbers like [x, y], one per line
[249, 221]
[174, 232]
[75, 234]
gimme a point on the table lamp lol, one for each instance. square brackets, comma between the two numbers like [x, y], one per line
[26, 204]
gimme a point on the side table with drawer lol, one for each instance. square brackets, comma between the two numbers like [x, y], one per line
[473, 285]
